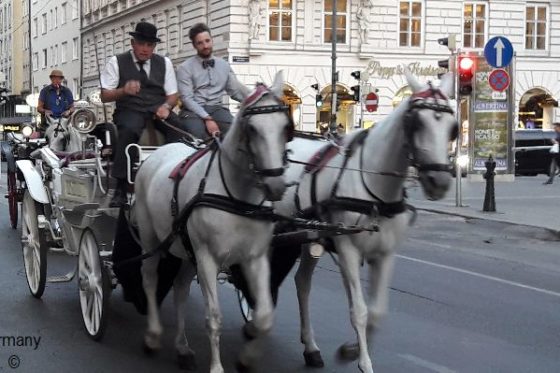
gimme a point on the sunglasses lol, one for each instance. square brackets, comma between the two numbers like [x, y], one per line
[56, 76]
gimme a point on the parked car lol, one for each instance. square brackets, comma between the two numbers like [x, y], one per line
[531, 151]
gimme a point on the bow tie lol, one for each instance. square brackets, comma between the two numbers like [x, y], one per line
[208, 63]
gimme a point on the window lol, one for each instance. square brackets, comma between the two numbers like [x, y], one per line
[35, 61]
[44, 60]
[75, 48]
[44, 23]
[410, 23]
[74, 9]
[535, 27]
[63, 14]
[341, 21]
[75, 87]
[35, 27]
[280, 20]
[63, 52]
[55, 55]
[474, 26]
[55, 21]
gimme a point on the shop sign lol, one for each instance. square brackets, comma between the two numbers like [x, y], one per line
[374, 68]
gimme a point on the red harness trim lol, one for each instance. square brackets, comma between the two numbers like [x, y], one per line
[321, 158]
[433, 93]
[181, 169]
[259, 91]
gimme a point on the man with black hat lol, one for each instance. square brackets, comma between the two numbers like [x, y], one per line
[143, 85]
[203, 81]
[55, 99]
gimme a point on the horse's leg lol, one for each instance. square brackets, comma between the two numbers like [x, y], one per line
[181, 289]
[380, 273]
[303, 278]
[349, 261]
[207, 276]
[257, 273]
[149, 281]
[381, 270]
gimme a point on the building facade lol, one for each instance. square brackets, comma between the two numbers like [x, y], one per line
[55, 42]
[376, 37]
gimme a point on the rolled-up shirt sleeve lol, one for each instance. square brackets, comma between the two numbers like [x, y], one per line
[170, 82]
[186, 91]
[110, 74]
[235, 89]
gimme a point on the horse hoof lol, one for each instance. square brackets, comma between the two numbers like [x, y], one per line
[187, 361]
[242, 368]
[148, 350]
[349, 351]
[313, 359]
[249, 331]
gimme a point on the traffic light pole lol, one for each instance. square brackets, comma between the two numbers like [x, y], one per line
[458, 171]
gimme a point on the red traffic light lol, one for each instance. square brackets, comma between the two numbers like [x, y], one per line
[466, 74]
[466, 63]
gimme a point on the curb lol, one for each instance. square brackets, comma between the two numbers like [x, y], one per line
[553, 232]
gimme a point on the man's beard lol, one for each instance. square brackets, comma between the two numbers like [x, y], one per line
[205, 53]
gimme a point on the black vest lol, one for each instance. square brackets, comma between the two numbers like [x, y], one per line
[152, 94]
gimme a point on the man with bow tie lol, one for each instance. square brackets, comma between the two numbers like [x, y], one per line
[203, 81]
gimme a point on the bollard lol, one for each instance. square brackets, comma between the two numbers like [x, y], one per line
[489, 196]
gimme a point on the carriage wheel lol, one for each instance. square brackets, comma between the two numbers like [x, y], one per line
[13, 198]
[246, 310]
[94, 284]
[34, 245]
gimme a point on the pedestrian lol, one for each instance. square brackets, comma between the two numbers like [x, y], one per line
[55, 99]
[143, 85]
[203, 81]
[554, 155]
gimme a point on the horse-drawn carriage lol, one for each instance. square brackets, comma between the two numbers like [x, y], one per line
[220, 212]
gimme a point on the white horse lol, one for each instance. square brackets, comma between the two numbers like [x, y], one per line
[245, 171]
[363, 184]
[62, 136]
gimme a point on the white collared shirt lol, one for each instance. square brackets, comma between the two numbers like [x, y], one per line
[110, 75]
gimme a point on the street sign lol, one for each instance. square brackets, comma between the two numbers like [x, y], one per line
[499, 80]
[371, 102]
[498, 51]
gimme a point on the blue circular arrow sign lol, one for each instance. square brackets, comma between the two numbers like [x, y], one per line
[498, 51]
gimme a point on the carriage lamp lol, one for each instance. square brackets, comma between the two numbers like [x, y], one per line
[27, 131]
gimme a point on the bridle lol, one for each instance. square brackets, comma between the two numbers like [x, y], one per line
[427, 99]
[251, 110]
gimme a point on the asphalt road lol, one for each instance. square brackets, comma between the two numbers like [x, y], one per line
[467, 296]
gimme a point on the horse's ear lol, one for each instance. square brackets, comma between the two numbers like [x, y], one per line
[446, 84]
[411, 79]
[277, 86]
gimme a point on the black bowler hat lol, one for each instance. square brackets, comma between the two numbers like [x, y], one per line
[145, 31]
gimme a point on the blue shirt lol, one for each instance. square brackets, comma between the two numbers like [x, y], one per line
[56, 102]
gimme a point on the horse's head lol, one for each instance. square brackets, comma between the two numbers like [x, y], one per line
[57, 132]
[266, 126]
[430, 125]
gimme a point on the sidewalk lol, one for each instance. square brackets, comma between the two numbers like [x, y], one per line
[525, 201]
